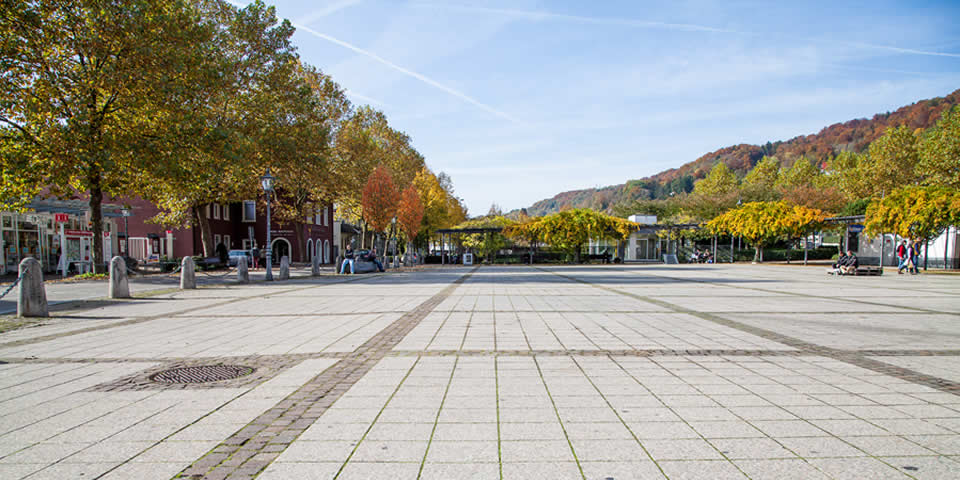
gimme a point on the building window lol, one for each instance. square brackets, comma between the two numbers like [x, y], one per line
[216, 211]
[325, 217]
[309, 219]
[249, 211]
[246, 244]
[217, 240]
[226, 212]
[206, 210]
[226, 242]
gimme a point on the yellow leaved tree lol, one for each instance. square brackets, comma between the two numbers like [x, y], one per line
[919, 213]
[761, 223]
[570, 230]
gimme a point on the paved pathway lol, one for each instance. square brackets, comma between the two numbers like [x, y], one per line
[616, 372]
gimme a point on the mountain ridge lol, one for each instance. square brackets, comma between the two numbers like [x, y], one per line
[853, 135]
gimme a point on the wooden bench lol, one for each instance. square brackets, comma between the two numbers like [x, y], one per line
[869, 270]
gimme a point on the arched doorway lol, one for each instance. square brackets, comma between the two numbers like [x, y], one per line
[310, 250]
[279, 249]
[326, 251]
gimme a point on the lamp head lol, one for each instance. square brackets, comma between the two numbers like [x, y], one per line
[266, 181]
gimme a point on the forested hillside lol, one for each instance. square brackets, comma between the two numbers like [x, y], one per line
[852, 136]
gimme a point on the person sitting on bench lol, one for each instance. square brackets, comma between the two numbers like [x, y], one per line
[849, 267]
[372, 256]
[347, 260]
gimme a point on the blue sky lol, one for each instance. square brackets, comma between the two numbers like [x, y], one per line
[519, 100]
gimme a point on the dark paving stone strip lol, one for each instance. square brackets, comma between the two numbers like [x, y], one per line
[250, 450]
[597, 353]
[848, 356]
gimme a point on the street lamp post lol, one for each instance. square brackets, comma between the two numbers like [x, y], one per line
[266, 182]
[393, 223]
[126, 231]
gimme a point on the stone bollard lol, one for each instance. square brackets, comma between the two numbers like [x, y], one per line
[243, 275]
[188, 274]
[32, 301]
[284, 268]
[315, 267]
[119, 286]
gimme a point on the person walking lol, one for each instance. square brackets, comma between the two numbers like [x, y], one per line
[902, 255]
[915, 256]
[347, 259]
[255, 253]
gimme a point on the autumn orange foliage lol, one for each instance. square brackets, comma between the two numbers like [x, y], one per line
[380, 198]
[410, 212]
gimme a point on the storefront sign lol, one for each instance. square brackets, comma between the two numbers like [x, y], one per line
[78, 233]
[60, 217]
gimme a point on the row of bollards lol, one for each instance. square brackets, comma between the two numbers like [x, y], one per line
[32, 298]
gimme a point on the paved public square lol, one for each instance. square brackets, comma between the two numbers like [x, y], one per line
[593, 372]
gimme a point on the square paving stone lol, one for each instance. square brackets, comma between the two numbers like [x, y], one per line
[356, 470]
[925, 468]
[300, 471]
[463, 451]
[536, 451]
[780, 470]
[400, 431]
[740, 448]
[599, 431]
[814, 447]
[888, 446]
[633, 470]
[389, 451]
[701, 470]
[608, 450]
[692, 449]
[726, 429]
[531, 431]
[857, 469]
[318, 451]
[460, 471]
[541, 471]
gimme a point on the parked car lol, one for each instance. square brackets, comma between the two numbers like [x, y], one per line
[236, 255]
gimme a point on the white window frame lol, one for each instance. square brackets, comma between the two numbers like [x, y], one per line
[244, 211]
[226, 242]
[246, 244]
[216, 240]
[216, 211]
[325, 218]
[226, 211]
[207, 210]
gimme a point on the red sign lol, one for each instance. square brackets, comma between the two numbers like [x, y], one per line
[60, 217]
[78, 233]
[169, 232]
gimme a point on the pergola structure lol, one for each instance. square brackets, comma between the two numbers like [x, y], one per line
[461, 231]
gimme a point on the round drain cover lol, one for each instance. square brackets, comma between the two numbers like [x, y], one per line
[201, 374]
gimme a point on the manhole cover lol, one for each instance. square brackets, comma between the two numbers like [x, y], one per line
[201, 374]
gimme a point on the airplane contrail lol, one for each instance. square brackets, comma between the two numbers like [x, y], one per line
[408, 72]
[405, 71]
[626, 22]
[543, 15]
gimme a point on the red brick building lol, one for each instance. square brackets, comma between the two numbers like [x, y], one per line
[236, 225]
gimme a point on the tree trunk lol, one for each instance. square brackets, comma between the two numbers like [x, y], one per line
[579, 248]
[206, 234]
[757, 255]
[300, 230]
[96, 218]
